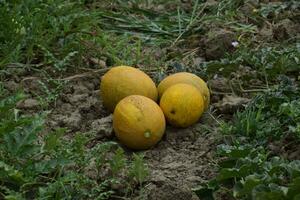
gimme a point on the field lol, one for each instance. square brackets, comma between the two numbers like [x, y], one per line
[57, 140]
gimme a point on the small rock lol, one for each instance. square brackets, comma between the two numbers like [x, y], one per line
[28, 104]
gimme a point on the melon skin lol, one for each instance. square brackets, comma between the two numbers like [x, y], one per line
[182, 105]
[188, 78]
[122, 81]
[138, 122]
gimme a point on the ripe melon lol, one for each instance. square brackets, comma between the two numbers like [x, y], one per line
[182, 105]
[188, 78]
[138, 122]
[122, 81]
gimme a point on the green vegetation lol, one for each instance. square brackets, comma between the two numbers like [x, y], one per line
[47, 165]
[52, 39]
[268, 61]
[271, 115]
[249, 172]
[250, 169]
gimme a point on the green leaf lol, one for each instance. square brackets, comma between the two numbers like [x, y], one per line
[294, 189]
[53, 139]
[270, 192]
[10, 174]
[294, 168]
[138, 169]
[48, 166]
[118, 161]
[22, 141]
[206, 191]
[223, 67]
[228, 174]
[245, 187]
[234, 151]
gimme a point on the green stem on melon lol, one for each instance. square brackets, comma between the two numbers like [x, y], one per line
[147, 134]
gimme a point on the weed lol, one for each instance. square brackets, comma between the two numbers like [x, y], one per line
[54, 25]
[268, 61]
[138, 171]
[248, 170]
[51, 89]
[118, 162]
[276, 8]
[51, 166]
[273, 114]
[254, 175]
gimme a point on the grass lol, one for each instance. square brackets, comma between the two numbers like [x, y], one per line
[60, 34]
[31, 28]
[55, 38]
[40, 165]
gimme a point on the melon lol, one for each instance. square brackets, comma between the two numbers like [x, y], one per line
[122, 81]
[182, 105]
[138, 122]
[188, 78]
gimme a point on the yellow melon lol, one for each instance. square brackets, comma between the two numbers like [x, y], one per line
[122, 81]
[182, 105]
[138, 122]
[188, 78]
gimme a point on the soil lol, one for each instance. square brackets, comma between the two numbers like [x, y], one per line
[217, 43]
[181, 161]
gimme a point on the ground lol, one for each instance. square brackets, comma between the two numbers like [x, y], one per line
[210, 39]
[182, 160]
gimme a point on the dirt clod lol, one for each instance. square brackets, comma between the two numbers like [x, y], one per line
[169, 191]
[286, 29]
[231, 104]
[12, 86]
[218, 43]
[103, 127]
[219, 84]
[28, 104]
